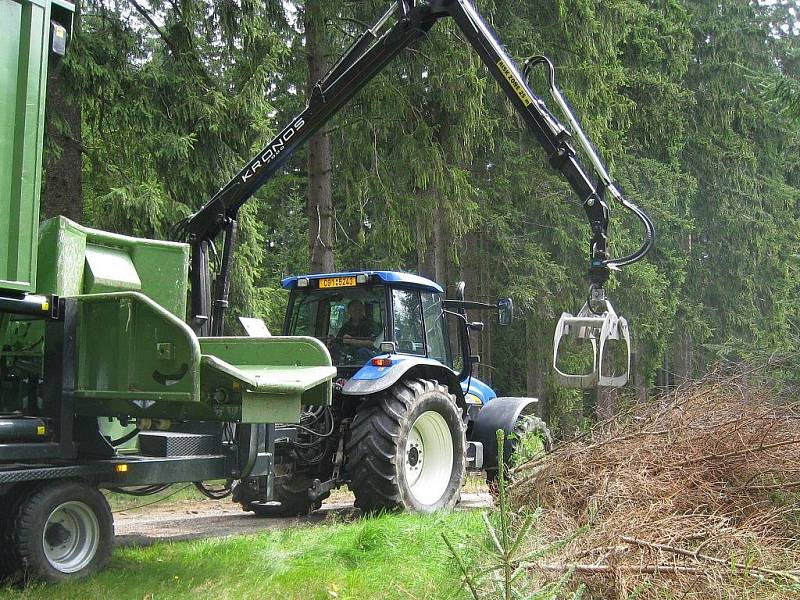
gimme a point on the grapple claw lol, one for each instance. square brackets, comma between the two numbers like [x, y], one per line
[598, 328]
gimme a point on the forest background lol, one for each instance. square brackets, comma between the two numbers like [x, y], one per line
[694, 105]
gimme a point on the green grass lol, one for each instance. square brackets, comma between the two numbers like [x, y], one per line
[387, 557]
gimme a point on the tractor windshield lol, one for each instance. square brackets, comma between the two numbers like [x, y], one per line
[349, 321]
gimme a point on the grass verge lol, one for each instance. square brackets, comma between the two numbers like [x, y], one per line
[391, 556]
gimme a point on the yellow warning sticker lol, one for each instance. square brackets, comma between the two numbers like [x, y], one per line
[41, 430]
[45, 306]
[516, 83]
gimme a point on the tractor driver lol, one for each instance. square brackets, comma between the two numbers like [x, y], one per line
[358, 331]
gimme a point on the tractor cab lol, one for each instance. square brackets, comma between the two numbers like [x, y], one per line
[361, 315]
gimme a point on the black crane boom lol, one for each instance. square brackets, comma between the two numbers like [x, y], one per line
[366, 57]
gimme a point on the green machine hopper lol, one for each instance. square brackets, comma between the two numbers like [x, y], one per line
[134, 354]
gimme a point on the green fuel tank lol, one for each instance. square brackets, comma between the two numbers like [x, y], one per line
[33, 33]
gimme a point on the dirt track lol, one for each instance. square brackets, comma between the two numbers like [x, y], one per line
[193, 519]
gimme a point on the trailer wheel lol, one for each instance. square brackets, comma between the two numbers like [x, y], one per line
[63, 530]
[9, 561]
[407, 449]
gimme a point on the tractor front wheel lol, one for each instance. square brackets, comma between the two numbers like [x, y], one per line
[530, 437]
[407, 449]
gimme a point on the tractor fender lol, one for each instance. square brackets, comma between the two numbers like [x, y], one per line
[500, 413]
[370, 379]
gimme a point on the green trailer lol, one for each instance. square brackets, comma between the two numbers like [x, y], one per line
[103, 384]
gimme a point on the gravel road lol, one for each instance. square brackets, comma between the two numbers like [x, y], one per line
[195, 519]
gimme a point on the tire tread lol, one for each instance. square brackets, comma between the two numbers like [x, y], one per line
[372, 449]
[31, 512]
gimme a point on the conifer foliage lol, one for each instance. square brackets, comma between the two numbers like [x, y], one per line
[693, 105]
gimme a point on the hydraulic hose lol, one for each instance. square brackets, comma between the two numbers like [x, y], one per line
[213, 494]
[597, 163]
[649, 237]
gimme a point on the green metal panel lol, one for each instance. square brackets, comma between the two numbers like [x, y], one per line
[131, 348]
[80, 260]
[108, 270]
[133, 358]
[24, 44]
[62, 248]
[275, 375]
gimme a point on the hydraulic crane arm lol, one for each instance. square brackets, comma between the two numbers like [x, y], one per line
[406, 22]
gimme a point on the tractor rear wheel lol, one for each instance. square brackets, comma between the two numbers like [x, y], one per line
[407, 449]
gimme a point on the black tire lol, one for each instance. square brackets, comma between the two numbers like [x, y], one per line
[62, 531]
[526, 425]
[381, 455]
[531, 424]
[292, 493]
[9, 560]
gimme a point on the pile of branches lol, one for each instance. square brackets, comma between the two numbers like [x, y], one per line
[696, 493]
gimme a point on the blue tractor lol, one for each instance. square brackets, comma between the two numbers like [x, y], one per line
[405, 425]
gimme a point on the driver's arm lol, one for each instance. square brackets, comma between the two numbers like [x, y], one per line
[363, 341]
[360, 342]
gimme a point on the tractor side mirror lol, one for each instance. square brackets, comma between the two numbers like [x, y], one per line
[505, 311]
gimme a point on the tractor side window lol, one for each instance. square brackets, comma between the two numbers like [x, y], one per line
[305, 315]
[407, 322]
[436, 328]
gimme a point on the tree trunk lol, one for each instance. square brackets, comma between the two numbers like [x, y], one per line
[63, 188]
[606, 406]
[683, 367]
[639, 377]
[467, 272]
[683, 358]
[484, 278]
[432, 247]
[535, 374]
[424, 255]
[439, 248]
[319, 207]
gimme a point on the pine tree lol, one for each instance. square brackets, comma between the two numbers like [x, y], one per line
[176, 97]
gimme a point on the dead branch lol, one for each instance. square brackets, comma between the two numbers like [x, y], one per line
[609, 569]
[705, 557]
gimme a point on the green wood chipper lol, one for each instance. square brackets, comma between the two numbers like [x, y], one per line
[103, 385]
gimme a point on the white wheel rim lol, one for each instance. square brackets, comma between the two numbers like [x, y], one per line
[70, 537]
[428, 459]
